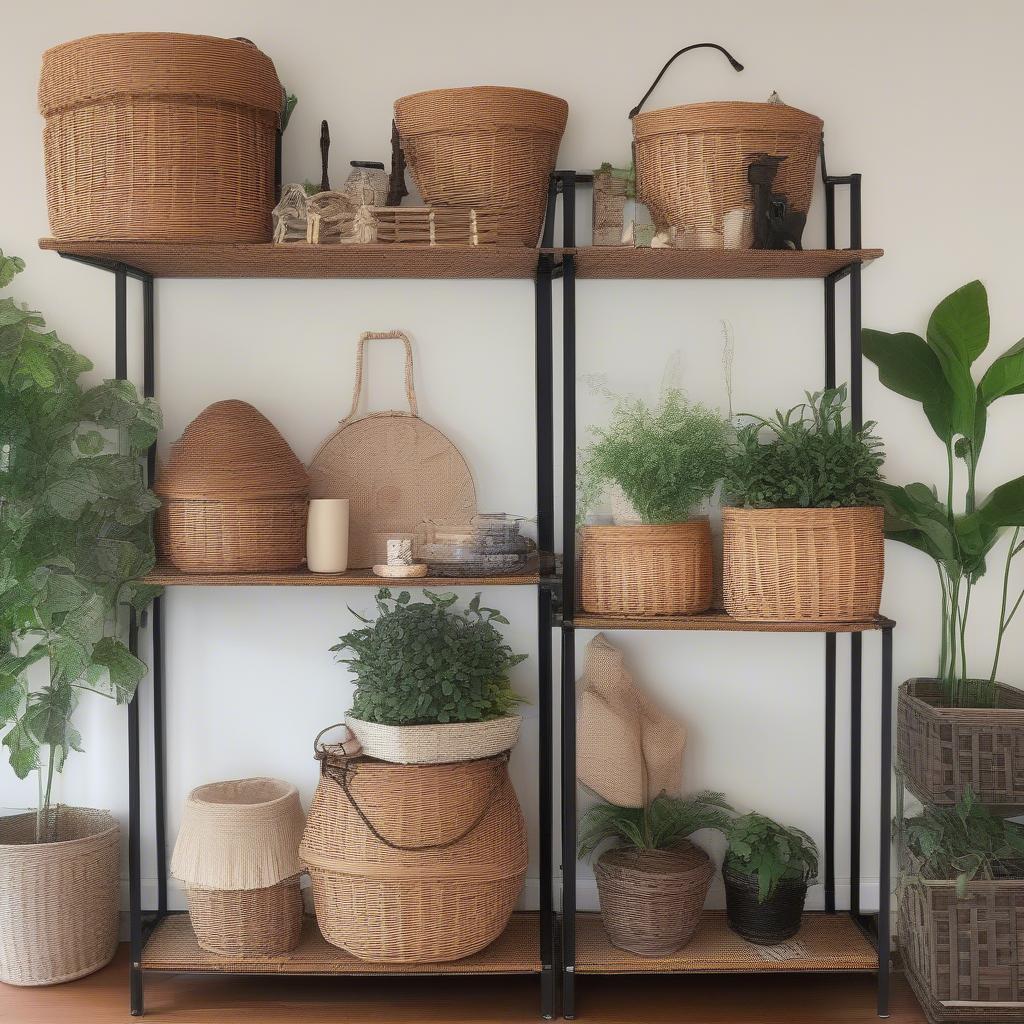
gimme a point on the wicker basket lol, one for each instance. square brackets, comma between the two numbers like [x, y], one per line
[802, 564]
[58, 900]
[652, 900]
[764, 923]
[235, 497]
[942, 750]
[646, 570]
[160, 137]
[436, 744]
[414, 864]
[247, 922]
[486, 146]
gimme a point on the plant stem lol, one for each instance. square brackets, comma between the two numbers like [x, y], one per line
[949, 477]
[944, 644]
[43, 814]
[1003, 621]
[954, 619]
[963, 632]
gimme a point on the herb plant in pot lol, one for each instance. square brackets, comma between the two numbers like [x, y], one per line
[75, 535]
[432, 683]
[802, 533]
[664, 461]
[956, 729]
[653, 884]
[766, 871]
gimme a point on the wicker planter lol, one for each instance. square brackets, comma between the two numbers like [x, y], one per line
[160, 137]
[414, 864]
[802, 564]
[646, 570]
[651, 901]
[59, 900]
[436, 744]
[486, 146]
[942, 750]
[771, 922]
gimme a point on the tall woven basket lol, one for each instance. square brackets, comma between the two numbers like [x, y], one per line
[802, 564]
[58, 900]
[485, 146]
[414, 863]
[159, 136]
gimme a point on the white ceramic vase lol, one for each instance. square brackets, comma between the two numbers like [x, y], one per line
[327, 535]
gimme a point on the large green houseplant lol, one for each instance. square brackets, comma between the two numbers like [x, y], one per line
[75, 537]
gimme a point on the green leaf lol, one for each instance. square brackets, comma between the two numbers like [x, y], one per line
[48, 717]
[36, 364]
[10, 266]
[1004, 506]
[1005, 376]
[22, 750]
[12, 695]
[123, 669]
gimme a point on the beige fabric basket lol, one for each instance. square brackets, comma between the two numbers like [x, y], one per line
[396, 470]
[436, 744]
[58, 900]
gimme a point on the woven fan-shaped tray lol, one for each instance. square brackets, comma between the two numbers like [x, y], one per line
[395, 469]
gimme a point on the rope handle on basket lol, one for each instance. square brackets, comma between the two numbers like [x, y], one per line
[694, 46]
[320, 749]
[410, 387]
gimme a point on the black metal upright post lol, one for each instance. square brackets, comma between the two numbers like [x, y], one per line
[885, 826]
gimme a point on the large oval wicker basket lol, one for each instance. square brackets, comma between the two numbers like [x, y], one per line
[159, 136]
[485, 146]
[802, 564]
[414, 863]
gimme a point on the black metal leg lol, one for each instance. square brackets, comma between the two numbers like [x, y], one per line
[885, 828]
[830, 772]
[856, 647]
[134, 839]
[547, 916]
[568, 822]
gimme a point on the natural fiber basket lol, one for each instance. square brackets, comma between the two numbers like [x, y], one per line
[414, 864]
[247, 922]
[160, 137]
[436, 744]
[652, 900]
[646, 570]
[58, 900]
[485, 146]
[802, 564]
[775, 920]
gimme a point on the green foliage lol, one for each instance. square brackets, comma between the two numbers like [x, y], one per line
[965, 842]
[810, 459]
[660, 825]
[666, 460]
[760, 846]
[75, 532]
[422, 662]
[287, 107]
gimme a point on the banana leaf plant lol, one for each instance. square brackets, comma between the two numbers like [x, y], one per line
[953, 527]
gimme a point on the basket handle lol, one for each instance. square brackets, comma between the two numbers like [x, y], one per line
[410, 387]
[320, 749]
[693, 46]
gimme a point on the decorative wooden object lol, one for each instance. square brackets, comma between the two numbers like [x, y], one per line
[435, 225]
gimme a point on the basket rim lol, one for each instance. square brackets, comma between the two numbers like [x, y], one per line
[286, 791]
[907, 692]
[437, 725]
[647, 123]
[493, 90]
[110, 828]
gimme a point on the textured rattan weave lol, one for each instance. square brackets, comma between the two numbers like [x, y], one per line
[766, 923]
[159, 136]
[58, 900]
[248, 922]
[652, 900]
[436, 225]
[817, 564]
[646, 570]
[436, 744]
[485, 146]
[414, 863]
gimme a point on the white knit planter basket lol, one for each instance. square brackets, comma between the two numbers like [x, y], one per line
[436, 744]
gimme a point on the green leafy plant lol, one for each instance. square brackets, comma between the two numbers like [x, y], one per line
[964, 842]
[956, 530]
[810, 458]
[659, 825]
[666, 459]
[760, 846]
[75, 536]
[422, 662]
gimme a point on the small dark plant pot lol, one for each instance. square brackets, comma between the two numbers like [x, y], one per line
[768, 923]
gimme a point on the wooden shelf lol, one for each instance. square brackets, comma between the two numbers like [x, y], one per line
[825, 942]
[173, 948]
[717, 620]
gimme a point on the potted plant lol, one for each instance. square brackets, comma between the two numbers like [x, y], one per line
[766, 871]
[961, 890]
[802, 536]
[432, 683]
[955, 729]
[75, 533]
[664, 461]
[653, 883]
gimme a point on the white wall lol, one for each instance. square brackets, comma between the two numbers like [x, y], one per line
[919, 96]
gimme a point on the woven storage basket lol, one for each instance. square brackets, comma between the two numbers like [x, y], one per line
[436, 744]
[160, 137]
[691, 161]
[646, 570]
[414, 864]
[234, 495]
[652, 900]
[238, 854]
[58, 900]
[942, 750]
[485, 146]
[775, 920]
[802, 564]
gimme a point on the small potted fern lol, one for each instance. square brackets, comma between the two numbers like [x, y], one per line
[766, 871]
[653, 883]
[432, 683]
[663, 462]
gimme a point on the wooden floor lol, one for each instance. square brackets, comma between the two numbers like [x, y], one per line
[103, 999]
